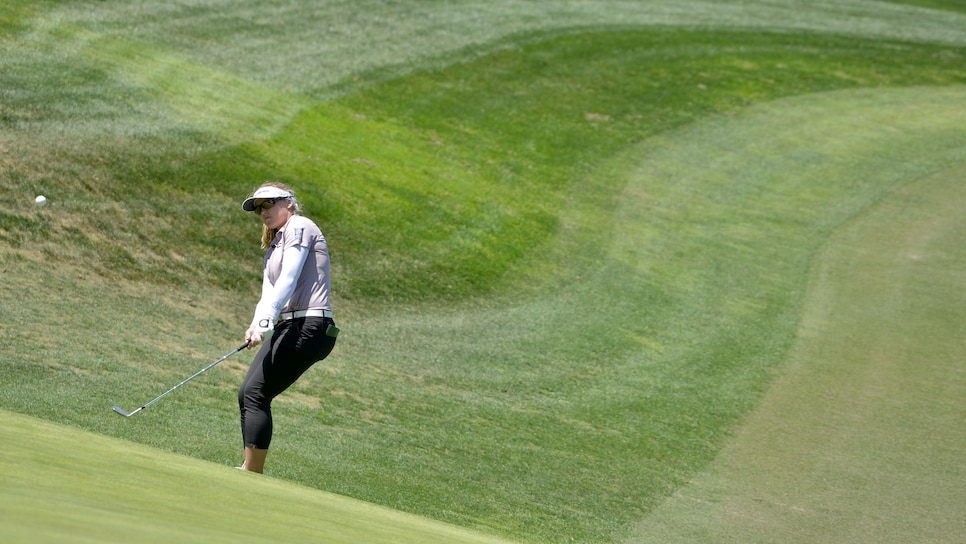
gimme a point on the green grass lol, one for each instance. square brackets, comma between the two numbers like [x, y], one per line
[860, 438]
[570, 246]
[63, 484]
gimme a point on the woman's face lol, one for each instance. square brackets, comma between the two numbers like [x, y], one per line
[275, 212]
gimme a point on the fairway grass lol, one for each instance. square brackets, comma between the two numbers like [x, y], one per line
[860, 438]
[64, 485]
[571, 240]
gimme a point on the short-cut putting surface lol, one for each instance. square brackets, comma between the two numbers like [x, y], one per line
[65, 485]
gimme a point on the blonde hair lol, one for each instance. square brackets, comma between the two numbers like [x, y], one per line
[268, 234]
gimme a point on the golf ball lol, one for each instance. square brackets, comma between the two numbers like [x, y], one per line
[41, 200]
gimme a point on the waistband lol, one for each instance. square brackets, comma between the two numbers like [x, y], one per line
[285, 316]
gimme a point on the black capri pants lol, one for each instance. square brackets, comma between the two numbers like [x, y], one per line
[296, 345]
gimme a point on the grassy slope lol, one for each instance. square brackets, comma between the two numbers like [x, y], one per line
[414, 410]
[66, 485]
[860, 439]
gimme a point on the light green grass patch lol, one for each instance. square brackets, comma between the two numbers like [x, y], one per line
[65, 485]
[231, 107]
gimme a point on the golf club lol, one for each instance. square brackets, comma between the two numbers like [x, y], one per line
[121, 411]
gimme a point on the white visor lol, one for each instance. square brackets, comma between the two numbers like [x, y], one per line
[264, 193]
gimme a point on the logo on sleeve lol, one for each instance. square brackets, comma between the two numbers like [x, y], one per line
[298, 236]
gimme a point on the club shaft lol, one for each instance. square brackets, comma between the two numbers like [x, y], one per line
[186, 380]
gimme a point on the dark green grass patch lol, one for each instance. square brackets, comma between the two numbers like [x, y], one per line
[451, 184]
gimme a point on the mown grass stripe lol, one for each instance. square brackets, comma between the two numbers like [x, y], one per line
[860, 439]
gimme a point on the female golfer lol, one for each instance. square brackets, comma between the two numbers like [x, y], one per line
[293, 319]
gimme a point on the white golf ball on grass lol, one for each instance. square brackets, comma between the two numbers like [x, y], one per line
[41, 200]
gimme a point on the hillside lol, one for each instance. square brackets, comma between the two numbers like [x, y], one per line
[571, 242]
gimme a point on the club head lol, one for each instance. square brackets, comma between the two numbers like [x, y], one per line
[122, 412]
